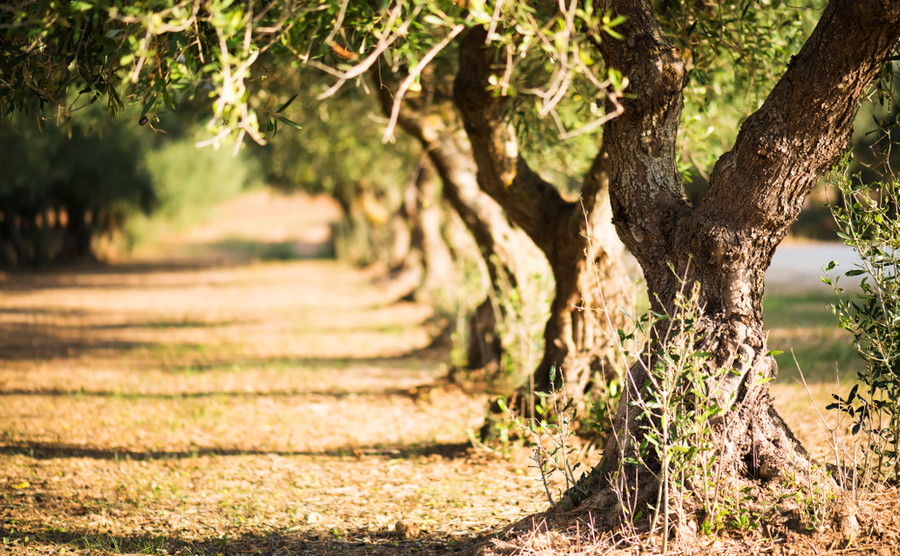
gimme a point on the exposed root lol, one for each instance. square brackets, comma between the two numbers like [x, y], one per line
[779, 525]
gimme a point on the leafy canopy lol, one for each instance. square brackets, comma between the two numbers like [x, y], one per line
[153, 52]
[147, 50]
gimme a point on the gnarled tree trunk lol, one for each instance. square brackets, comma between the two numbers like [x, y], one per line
[726, 243]
[576, 236]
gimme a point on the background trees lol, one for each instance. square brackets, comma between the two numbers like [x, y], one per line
[56, 192]
[65, 187]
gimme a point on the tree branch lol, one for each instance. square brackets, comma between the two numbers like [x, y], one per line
[530, 202]
[757, 189]
[806, 122]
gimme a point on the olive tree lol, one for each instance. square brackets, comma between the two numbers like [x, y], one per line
[724, 244]
[756, 190]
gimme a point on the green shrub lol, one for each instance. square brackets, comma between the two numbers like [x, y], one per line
[187, 182]
[868, 222]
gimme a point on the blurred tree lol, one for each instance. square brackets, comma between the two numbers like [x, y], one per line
[60, 188]
[339, 153]
[91, 176]
[585, 256]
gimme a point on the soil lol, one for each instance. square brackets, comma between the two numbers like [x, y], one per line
[199, 399]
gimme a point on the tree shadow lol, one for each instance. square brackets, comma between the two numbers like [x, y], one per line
[71, 276]
[41, 342]
[47, 451]
[225, 543]
[413, 392]
[23, 341]
[276, 250]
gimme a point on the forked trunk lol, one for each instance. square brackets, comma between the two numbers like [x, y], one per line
[726, 243]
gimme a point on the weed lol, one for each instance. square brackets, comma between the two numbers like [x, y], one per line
[867, 221]
[680, 400]
[676, 406]
[557, 414]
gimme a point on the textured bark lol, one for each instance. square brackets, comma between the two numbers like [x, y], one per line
[577, 237]
[755, 192]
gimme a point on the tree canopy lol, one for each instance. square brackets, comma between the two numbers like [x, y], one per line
[148, 51]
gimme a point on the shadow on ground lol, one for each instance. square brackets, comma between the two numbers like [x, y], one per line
[40, 341]
[276, 250]
[48, 451]
[66, 275]
[356, 543]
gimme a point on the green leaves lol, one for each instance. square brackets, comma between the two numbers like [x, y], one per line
[286, 121]
[867, 222]
[272, 118]
[288, 103]
[143, 51]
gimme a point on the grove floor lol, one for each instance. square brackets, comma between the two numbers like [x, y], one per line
[198, 400]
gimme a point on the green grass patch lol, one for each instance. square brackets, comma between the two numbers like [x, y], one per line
[275, 250]
[805, 324]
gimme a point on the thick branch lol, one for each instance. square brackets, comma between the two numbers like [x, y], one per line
[758, 188]
[806, 122]
[530, 202]
[645, 188]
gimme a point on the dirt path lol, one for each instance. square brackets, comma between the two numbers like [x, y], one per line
[198, 401]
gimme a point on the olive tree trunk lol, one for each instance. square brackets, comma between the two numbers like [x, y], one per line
[576, 236]
[503, 247]
[726, 243]
[427, 237]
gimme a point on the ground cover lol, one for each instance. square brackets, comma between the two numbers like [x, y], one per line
[223, 404]
[219, 403]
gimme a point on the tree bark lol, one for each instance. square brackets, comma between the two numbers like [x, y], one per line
[427, 238]
[431, 119]
[726, 243]
[577, 237]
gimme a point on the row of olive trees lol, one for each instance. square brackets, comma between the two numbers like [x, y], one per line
[61, 187]
[465, 116]
[469, 80]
